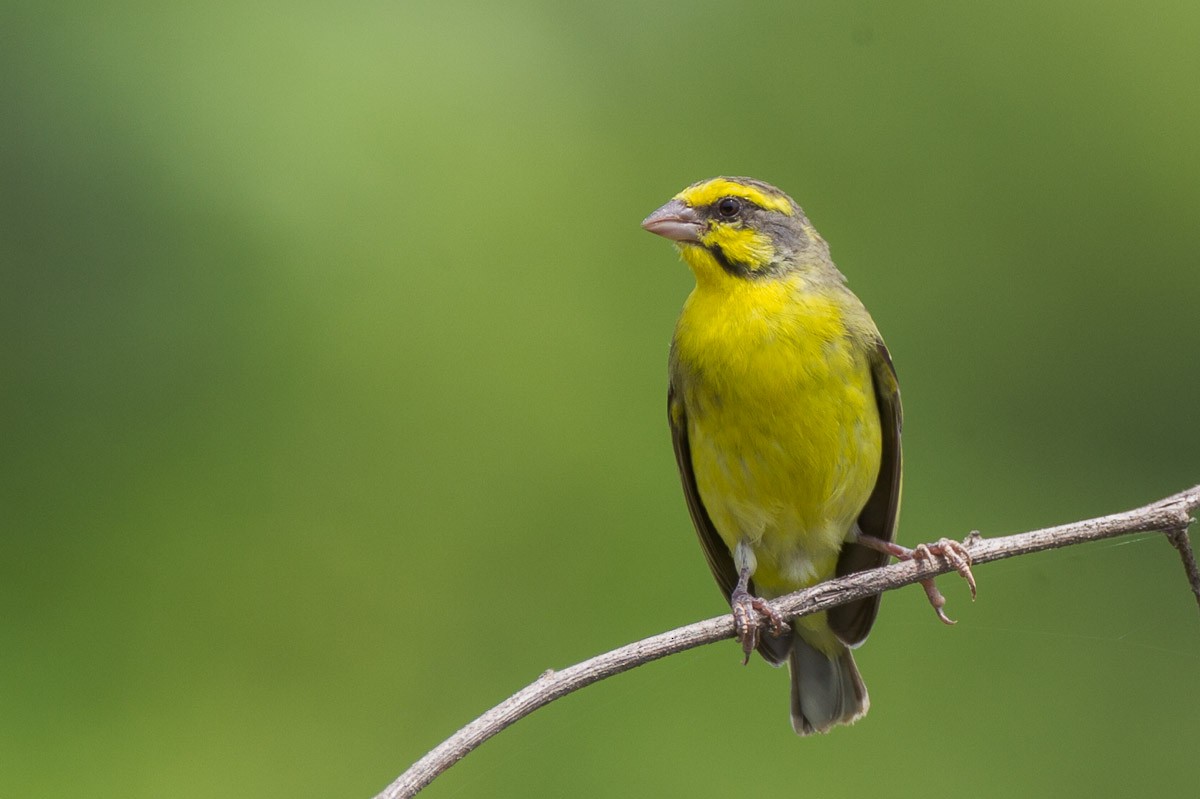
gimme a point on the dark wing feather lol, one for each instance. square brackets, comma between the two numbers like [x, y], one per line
[774, 649]
[852, 622]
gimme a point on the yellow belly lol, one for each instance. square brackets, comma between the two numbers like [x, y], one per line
[783, 426]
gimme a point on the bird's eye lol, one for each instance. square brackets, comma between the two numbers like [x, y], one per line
[729, 207]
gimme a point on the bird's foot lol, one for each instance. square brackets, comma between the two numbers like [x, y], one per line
[750, 613]
[953, 552]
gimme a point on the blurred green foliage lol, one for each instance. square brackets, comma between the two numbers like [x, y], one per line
[333, 367]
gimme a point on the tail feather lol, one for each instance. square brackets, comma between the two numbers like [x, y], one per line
[825, 691]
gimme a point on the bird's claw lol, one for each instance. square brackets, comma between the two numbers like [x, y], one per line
[953, 552]
[957, 556]
[749, 615]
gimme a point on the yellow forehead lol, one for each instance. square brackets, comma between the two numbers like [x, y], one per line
[710, 191]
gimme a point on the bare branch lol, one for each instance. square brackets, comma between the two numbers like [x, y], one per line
[1170, 516]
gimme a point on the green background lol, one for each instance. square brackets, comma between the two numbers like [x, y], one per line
[334, 368]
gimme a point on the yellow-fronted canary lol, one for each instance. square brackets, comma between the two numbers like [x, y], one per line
[785, 415]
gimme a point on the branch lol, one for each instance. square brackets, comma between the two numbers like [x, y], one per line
[1170, 516]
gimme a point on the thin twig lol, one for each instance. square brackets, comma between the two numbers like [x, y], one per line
[1171, 516]
[1179, 540]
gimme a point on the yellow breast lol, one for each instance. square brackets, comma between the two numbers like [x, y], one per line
[782, 421]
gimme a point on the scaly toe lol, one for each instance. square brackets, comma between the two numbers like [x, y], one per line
[745, 623]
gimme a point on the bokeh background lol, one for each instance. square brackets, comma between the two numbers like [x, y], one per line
[334, 367]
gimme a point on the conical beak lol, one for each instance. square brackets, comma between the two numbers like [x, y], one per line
[675, 221]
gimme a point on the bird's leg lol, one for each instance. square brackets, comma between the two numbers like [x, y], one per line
[748, 608]
[952, 551]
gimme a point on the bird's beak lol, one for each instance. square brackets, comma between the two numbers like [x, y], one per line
[675, 221]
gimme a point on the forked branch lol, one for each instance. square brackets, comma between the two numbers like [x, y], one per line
[1171, 516]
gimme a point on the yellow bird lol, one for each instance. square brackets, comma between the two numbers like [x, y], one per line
[785, 415]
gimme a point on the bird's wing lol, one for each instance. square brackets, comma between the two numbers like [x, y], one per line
[852, 622]
[774, 649]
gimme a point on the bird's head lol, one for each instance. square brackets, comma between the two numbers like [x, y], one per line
[741, 227]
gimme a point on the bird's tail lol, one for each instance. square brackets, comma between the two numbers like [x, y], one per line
[826, 690]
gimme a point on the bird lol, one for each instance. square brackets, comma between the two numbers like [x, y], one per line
[785, 416]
